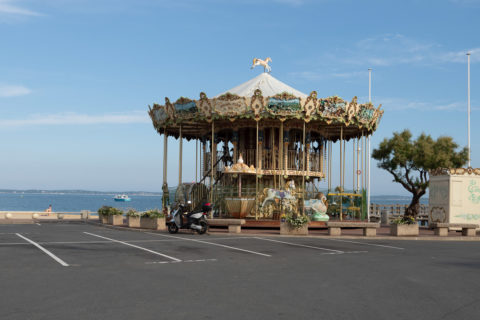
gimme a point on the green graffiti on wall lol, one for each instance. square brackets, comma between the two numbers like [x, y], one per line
[468, 216]
[474, 191]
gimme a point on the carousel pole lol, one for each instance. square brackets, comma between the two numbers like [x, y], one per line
[341, 173]
[165, 142]
[180, 155]
[366, 167]
[343, 170]
[204, 156]
[280, 155]
[358, 159]
[362, 169]
[211, 161]
[322, 162]
[365, 163]
[353, 165]
[361, 164]
[274, 160]
[165, 150]
[256, 179]
[308, 154]
[303, 175]
[330, 155]
[285, 148]
[196, 160]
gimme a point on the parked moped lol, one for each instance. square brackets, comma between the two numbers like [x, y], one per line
[195, 220]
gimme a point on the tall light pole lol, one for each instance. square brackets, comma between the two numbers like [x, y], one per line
[368, 145]
[468, 103]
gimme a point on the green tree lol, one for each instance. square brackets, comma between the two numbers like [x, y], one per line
[409, 161]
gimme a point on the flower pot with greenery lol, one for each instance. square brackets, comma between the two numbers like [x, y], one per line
[153, 219]
[294, 224]
[103, 214]
[115, 217]
[405, 226]
[133, 218]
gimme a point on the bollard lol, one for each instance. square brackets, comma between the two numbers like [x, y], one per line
[85, 214]
[384, 217]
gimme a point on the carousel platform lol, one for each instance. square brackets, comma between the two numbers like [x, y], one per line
[274, 224]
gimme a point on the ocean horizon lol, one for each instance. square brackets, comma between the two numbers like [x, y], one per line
[73, 201]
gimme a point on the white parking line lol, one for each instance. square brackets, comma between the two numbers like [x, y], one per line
[109, 241]
[165, 262]
[367, 244]
[134, 246]
[301, 245]
[63, 263]
[213, 244]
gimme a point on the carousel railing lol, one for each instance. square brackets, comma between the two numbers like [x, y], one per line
[315, 161]
[294, 160]
[270, 160]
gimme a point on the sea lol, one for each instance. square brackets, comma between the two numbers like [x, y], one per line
[75, 202]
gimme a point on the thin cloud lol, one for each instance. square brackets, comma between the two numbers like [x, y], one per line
[460, 56]
[78, 119]
[404, 104]
[10, 7]
[395, 49]
[13, 91]
[319, 75]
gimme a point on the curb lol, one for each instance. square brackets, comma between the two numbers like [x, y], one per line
[426, 238]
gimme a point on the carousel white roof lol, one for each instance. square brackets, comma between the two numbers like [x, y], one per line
[267, 84]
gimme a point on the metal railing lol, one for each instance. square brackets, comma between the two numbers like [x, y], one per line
[386, 213]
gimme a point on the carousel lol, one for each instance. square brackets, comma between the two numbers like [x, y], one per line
[263, 149]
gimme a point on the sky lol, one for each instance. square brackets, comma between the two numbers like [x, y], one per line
[77, 76]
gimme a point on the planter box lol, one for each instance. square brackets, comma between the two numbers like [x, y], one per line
[133, 222]
[155, 224]
[103, 218]
[287, 229]
[401, 230]
[116, 220]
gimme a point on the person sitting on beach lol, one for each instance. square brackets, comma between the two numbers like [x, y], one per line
[49, 209]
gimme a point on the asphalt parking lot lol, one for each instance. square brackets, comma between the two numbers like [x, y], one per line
[83, 271]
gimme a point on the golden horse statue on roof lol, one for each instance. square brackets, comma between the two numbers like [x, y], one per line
[264, 63]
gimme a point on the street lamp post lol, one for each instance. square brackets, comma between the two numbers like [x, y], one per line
[368, 145]
[468, 103]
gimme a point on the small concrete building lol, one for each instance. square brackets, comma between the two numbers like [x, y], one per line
[454, 196]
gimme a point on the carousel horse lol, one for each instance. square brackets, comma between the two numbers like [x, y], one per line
[264, 63]
[272, 194]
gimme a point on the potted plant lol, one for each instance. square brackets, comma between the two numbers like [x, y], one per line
[404, 226]
[153, 219]
[115, 216]
[103, 214]
[294, 224]
[133, 218]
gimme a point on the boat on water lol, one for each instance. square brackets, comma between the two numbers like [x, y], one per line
[121, 197]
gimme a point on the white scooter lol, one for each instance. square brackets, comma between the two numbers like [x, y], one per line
[195, 220]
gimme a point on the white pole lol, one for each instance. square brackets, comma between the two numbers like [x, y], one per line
[368, 143]
[468, 99]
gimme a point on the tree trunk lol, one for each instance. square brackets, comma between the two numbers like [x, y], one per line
[414, 206]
